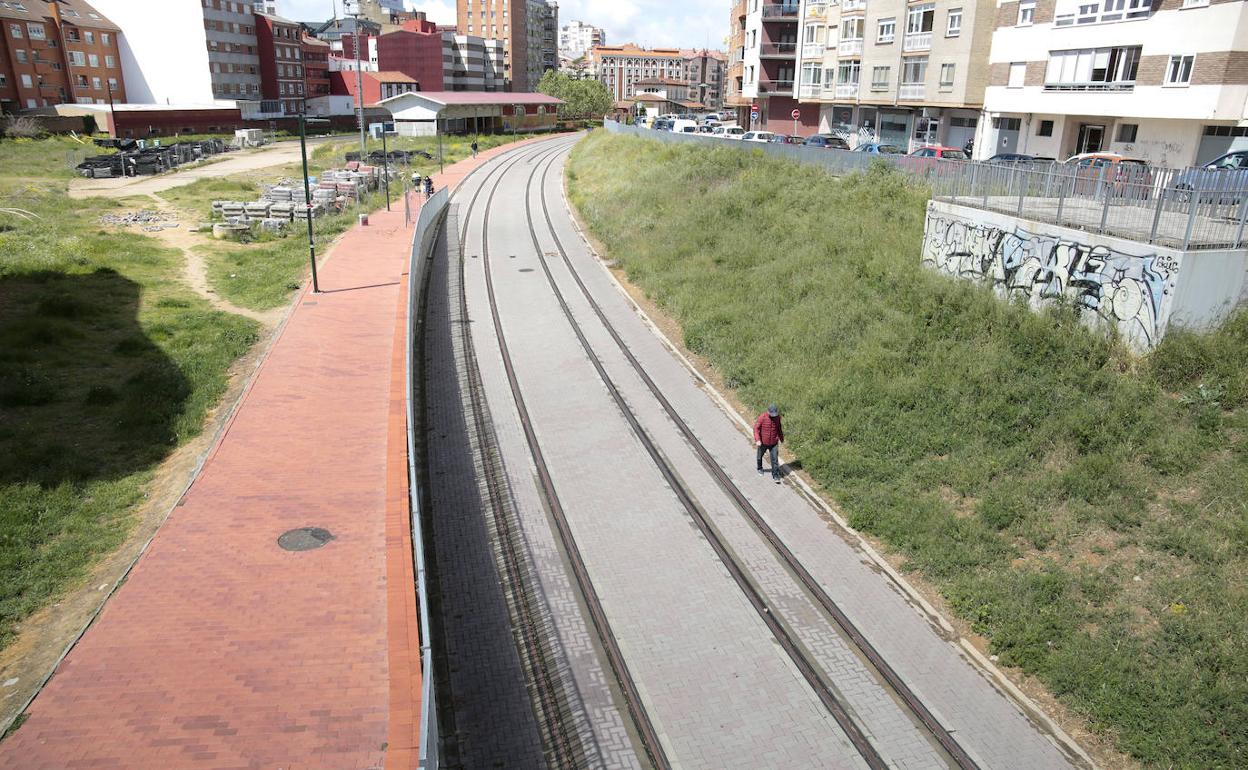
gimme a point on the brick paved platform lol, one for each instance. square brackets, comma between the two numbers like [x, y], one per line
[222, 650]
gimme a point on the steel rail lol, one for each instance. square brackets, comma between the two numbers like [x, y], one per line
[943, 736]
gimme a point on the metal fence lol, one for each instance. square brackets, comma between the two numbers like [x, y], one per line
[428, 223]
[1179, 208]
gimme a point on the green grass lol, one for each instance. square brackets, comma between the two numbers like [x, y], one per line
[263, 275]
[107, 363]
[1082, 508]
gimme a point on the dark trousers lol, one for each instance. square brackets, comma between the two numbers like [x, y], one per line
[775, 457]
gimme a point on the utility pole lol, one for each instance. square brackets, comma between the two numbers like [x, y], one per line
[359, 80]
[307, 194]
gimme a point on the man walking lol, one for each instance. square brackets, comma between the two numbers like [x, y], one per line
[428, 187]
[474, 148]
[768, 433]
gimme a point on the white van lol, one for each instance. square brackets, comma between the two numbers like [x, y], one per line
[683, 126]
[728, 132]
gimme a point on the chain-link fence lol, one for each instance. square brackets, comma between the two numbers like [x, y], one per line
[1180, 208]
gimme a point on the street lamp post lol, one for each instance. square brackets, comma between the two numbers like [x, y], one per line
[359, 78]
[385, 164]
[307, 194]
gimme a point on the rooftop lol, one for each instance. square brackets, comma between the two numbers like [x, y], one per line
[73, 12]
[478, 97]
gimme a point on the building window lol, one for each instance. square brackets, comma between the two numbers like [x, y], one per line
[879, 78]
[110, 62]
[35, 31]
[919, 18]
[954, 27]
[77, 58]
[812, 74]
[914, 70]
[1045, 128]
[93, 60]
[20, 53]
[4, 80]
[1026, 12]
[105, 39]
[1179, 72]
[95, 83]
[847, 72]
[1127, 132]
[90, 37]
[851, 29]
[26, 81]
[112, 84]
[1093, 69]
[946, 75]
[1018, 75]
[1092, 12]
[886, 31]
[15, 30]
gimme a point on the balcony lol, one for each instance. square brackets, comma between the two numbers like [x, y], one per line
[853, 5]
[783, 11]
[846, 90]
[911, 92]
[849, 48]
[777, 50]
[818, 9]
[810, 91]
[775, 86]
[917, 41]
[813, 50]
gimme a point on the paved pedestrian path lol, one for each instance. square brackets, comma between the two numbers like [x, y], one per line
[225, 650]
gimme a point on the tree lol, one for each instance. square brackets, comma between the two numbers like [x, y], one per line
[579, 67]
[582, 98]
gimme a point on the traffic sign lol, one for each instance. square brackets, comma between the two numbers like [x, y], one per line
[796, 114]
[754, 115]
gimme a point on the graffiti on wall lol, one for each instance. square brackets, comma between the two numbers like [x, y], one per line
[1129, 291]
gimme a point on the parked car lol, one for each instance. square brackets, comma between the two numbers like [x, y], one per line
[707, 128]
[1011, 157]
[684, 126]
[1223, 179]
[879, 148]
[937, 151]
[661, 124]
[1107, 173]
[757, 136]
[826, 142]
[728, 132]
[786, 139]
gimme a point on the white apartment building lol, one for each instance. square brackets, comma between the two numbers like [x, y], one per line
[187, 51]
[471, 63]
[621, 66]
[1163, 80]
[903, 73]
[576, 38]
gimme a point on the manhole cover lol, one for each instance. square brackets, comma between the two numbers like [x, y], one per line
[304, 538]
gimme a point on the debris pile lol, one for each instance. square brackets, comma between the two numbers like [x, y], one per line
[287, 200]
[151, 221]
[138, 158]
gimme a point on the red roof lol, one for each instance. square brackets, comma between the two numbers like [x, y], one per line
[391, 76]
[486, 97]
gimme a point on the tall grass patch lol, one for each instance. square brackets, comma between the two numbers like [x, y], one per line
[1083, 509]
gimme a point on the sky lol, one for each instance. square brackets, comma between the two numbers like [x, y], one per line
[662, 23]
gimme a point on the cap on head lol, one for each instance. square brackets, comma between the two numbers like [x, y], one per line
[773, 410]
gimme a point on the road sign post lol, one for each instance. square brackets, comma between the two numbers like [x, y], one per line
[796, 114]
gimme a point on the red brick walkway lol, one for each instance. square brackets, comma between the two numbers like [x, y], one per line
[224, 651]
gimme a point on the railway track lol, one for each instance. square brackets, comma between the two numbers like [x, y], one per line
[642, 724]
[542, 161]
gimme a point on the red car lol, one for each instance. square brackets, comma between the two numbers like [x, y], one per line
[936, 151]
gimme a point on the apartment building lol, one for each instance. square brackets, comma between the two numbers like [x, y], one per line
[704, 73]
[528, 30]
[734, 74]
[471, 63]
[280, 47]
[903, 73]
[436, 58]
[58, 53]
[1164, 80]
[315, 66]
[188, 51]
[621, 66]
[768, 56]
[576, 38]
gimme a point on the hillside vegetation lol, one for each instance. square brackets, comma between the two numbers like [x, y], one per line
[1082, 508]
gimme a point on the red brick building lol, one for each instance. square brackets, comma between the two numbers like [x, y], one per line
[279, 43]
[315, 67]
[377, 85]
[416, 50]
[57, 53]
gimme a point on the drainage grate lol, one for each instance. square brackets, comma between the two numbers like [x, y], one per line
[304, 538]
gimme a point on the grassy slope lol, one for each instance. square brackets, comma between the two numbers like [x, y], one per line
[263, 276]
[1083, 509]
[106, 363]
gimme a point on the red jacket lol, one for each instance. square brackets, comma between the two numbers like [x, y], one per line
[767, 430]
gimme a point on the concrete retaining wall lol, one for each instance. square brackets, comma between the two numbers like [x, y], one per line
[1139, 289]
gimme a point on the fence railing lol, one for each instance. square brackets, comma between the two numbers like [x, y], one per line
[1179, 208]
[428, 222]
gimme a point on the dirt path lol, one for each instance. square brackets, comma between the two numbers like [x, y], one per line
[195, 269]
[278, 154]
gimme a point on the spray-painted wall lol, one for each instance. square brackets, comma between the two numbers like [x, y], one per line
[1137, 288]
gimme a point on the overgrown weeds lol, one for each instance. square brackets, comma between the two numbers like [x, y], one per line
[1108, 529]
